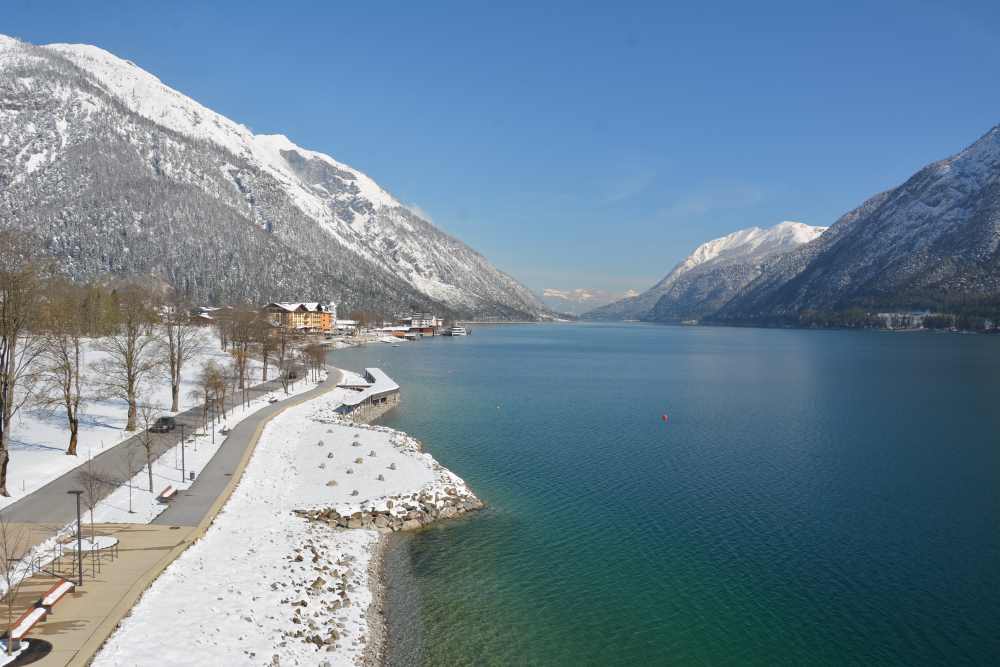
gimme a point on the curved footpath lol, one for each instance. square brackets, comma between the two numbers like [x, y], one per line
[199, 504]
[88, 619]
[49, 505]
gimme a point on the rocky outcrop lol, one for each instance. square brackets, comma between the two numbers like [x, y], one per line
[402, 513]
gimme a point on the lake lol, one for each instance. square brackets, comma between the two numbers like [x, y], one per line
[814, 497]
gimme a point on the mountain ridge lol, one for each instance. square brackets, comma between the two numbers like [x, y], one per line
[931, 242]
[730, 259]
[377, 252]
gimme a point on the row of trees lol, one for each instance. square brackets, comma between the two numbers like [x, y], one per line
[142, 335]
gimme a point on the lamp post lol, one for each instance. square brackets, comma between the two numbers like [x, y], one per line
[79, 535]
[183, 474]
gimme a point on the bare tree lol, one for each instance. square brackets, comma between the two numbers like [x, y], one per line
[130, 468]
[183, 341]
[284, 342]
[14, 548]
[149, 415]
[208, 380]
[19, 344]
[61, 359]
[243, 335]
[314, 356]
[266, 344]
[93, 485]
[220, 389]
[131, 350]
[241, 359]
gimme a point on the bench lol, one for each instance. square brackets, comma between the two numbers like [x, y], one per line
[166, 494]
[24, 624]
[56, 593]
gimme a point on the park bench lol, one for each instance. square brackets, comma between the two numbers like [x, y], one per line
[56, 593]
[24, 624]
[166, 494]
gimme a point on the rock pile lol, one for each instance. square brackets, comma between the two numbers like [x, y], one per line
[408, 512]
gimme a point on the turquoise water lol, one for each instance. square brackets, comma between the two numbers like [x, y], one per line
[817, 497]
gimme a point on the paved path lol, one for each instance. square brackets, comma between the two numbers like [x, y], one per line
[51, 505]
[191, 506]
[84, 621]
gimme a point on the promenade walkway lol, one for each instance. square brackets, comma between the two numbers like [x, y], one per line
[82, 622]
[50, 505]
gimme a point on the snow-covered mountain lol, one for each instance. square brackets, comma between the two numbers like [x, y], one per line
[579, 300]
[116, 172]
[710, 275]
[933, 242]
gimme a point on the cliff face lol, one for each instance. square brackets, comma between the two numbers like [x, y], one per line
[118, 173]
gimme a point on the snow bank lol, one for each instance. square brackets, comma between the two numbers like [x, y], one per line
[267, 581]
[39, 437]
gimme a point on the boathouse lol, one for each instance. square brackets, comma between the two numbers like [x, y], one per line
[372, 397]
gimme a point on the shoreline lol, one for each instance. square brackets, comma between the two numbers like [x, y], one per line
[378, 625]
[304, 537]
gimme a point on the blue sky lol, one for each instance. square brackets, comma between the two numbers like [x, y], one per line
[580, 145]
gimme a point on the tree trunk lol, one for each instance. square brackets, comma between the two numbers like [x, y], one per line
[132, 414]
[175, 393]
[74, 426]
[4, 460]
[149, 469]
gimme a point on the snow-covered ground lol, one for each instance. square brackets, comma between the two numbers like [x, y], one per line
[198, 451]
[39, 437]
[133, 502]
[265, 581]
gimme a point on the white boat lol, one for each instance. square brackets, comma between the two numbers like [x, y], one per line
[457, 331]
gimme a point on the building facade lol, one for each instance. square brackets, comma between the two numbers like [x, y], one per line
[305, 317]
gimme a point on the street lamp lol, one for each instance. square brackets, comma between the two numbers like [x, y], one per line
[79, 534]
[183, 474]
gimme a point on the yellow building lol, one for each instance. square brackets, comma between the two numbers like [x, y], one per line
[304, 317]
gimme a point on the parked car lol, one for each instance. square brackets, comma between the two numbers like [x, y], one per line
[163, 425]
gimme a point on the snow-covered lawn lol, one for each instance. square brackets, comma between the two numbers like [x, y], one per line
[198, 451]
[39, 437]
[265, 582]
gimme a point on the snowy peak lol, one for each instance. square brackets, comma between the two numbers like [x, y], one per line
[745, 249]
[752, 243]
[268, 181]
[932, 242]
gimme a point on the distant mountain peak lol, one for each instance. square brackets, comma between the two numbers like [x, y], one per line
[748, 246]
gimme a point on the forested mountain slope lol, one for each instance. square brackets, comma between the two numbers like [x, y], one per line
[119, 175]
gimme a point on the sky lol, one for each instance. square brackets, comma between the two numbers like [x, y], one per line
[577, 145]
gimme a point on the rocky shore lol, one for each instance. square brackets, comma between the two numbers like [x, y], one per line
[290, 573]
[446, 497]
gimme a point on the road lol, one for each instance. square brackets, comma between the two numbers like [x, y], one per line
[51, 504]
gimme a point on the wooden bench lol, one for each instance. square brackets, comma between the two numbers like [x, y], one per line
[24, 624]
[166, 494]
[56, 593]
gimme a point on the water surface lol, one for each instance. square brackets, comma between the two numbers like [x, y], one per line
[816, 497]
